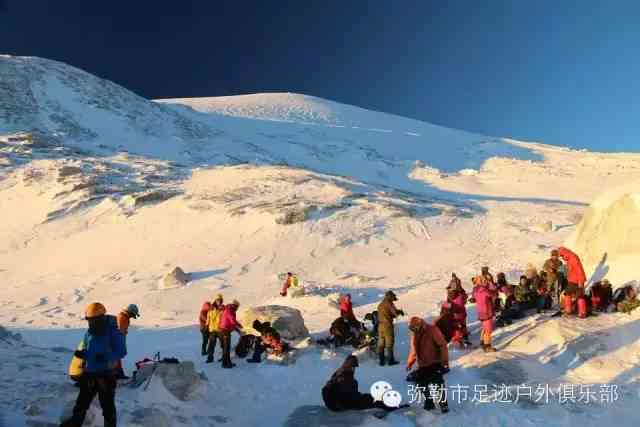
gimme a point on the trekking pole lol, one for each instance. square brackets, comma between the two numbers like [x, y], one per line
[156, 361]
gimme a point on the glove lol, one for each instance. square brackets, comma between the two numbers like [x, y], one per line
[444, 370]
[80, 354]
[400, 312]
[100, 358]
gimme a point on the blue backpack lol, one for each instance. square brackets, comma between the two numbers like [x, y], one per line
[111, 346]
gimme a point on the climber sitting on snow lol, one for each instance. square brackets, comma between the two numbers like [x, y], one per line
[544, 294]
[346, 311]
[269, 341]
[343, 331]
[626, 299]
[601, 295]
[341, 391]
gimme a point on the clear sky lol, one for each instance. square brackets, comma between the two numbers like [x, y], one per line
[559, 72]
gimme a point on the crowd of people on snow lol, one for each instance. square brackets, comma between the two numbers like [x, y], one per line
[559, 285]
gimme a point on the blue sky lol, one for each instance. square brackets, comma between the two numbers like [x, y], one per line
[558, 72]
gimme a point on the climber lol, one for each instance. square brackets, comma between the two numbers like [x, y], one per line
[346, 310]
[601, 295]
[575, 273]
[124, 321]
[291, 281]
[341, 393]
[429, 349]
[484, 308]
[216, 308]
[552, 267]
[204, 331]
[228, 324]
[387, 311]
[270, 341]
[457, 297]
[103, 346]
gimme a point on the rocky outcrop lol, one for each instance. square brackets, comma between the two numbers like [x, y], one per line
[286, 320]
[177, 278]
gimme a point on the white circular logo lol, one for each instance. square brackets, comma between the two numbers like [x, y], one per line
[378, 389]
[392, 398]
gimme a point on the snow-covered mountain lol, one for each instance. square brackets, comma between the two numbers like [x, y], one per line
[103, 192]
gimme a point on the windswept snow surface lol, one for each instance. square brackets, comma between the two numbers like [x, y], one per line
[104, 192]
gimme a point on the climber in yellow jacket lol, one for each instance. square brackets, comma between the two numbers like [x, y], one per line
[213, 325]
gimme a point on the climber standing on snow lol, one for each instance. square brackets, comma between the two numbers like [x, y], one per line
[204, 331]
[214, 315]
[575, 271]
[429, 349]
[103, 346]
[484, 297]
[457, 297]
[228, 324]
[124, 321]
[387, 311]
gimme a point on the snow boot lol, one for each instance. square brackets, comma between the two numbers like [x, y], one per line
[488, 348]
[392, 360]
[209, 360]
[229, 366]
[381, 358]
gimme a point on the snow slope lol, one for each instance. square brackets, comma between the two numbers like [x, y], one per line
[111, 191]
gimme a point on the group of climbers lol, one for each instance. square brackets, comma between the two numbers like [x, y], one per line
[97, 363]
[217, 322]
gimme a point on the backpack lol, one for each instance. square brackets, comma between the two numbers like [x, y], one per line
[245, 345]
[618, 295]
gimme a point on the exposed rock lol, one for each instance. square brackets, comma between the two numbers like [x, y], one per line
[176, 278]
[153, 197]
[180, 379]
[67, 171]
[286, 320]
[296, 215]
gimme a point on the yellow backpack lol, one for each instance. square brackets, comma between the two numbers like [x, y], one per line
[76, 367]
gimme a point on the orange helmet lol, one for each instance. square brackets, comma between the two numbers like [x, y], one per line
[95, 309]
